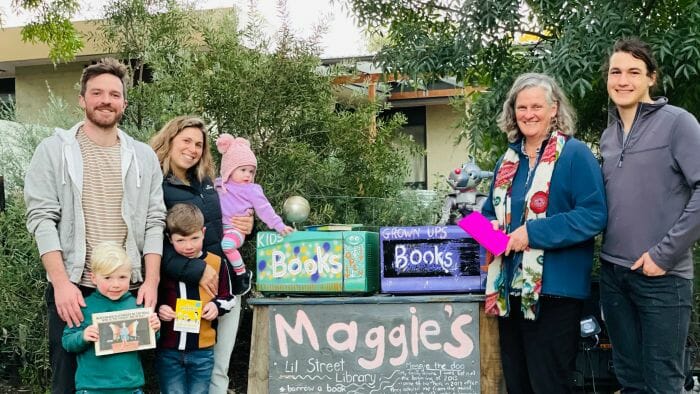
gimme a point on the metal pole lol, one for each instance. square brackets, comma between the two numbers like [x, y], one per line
[2, 193]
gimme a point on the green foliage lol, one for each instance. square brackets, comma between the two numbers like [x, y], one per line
[477, 41]
[23, 327]
[269, 92]
[52, 26]
[8, 110]
[20, 140]
[349, 166]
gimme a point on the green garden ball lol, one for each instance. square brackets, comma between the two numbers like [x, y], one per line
[296, 209]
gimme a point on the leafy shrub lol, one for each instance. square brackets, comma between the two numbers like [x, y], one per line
[23, 326]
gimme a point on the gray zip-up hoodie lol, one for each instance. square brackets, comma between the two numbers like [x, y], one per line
[652, 182]
[53, 188]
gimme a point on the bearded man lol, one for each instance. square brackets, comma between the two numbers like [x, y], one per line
[86, 185]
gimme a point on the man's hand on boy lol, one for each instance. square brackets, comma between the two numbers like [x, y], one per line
[210, 311]
[154, 322]
[91, 334]
[166, 313]
[286, 231]
[68, 299]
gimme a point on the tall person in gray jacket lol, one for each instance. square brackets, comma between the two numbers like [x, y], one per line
[651, 170]
[90, 184]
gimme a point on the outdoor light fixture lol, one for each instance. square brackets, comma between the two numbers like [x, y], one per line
[590, 328]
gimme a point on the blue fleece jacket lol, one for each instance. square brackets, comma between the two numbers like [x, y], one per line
[576, 213]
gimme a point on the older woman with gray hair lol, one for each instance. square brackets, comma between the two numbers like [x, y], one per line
[548, 196]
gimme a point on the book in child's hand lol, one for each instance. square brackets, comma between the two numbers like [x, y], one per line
[124, 331]
[481, 229]
[188, 315]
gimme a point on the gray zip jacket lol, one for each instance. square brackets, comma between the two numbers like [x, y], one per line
[53, 188]
[652, 182]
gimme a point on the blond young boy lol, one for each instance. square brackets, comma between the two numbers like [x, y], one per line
[120, 372]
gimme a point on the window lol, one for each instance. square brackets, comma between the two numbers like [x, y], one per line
[7, 90]
[414, 127]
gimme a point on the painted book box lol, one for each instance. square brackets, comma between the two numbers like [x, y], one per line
[328, 262]
[430, 259]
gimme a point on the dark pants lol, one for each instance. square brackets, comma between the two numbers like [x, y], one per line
[539, 356]
[63, 364]
[647, 320]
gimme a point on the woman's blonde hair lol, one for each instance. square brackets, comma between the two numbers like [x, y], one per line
[565, 118]
[108, 257]
[162, 143]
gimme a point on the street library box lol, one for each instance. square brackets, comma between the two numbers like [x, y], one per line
[318, 262]
[430, 259]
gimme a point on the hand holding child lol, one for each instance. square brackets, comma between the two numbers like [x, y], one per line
[166, 313]
[210, 311]
[154, 322]
[91, 334]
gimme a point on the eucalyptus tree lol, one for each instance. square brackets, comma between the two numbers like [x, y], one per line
[487, 43]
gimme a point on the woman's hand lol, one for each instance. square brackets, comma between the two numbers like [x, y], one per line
[518, 240]
[244, 224]
[210, 281]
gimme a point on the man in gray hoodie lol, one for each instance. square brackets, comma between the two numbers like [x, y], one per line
[651, 171]
[90, 184]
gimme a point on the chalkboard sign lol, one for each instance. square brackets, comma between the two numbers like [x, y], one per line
[375, 348]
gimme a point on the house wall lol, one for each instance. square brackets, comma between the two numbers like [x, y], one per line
[32, 85]
[441, 134]
[14, 49]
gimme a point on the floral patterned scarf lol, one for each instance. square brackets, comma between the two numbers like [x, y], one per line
[536, 201]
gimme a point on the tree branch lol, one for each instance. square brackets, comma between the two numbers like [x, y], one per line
[537, 34]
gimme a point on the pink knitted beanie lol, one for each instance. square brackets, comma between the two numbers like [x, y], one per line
[235, 153]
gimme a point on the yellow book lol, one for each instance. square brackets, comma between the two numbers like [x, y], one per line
[188, 315]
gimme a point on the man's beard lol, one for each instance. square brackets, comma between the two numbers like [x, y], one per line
[102, 122]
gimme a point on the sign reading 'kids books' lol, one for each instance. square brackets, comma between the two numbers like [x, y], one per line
[318, 262]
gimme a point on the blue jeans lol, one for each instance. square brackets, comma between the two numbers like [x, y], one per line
[135, 391]
[647, 320]
[184, 372]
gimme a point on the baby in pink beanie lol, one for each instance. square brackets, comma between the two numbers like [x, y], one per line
[238, 194]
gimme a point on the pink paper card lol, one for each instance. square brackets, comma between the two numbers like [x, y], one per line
[480, 228]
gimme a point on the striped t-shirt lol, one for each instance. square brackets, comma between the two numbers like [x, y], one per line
[102, 198]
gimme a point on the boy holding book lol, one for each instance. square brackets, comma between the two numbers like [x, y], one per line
[119, 372]
[185, 356]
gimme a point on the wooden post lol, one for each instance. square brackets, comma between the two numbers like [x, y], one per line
[372, 96]
[491, 372]
[258, 369]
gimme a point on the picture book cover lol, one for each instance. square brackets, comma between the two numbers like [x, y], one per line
[124, 331]
[188, 315]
